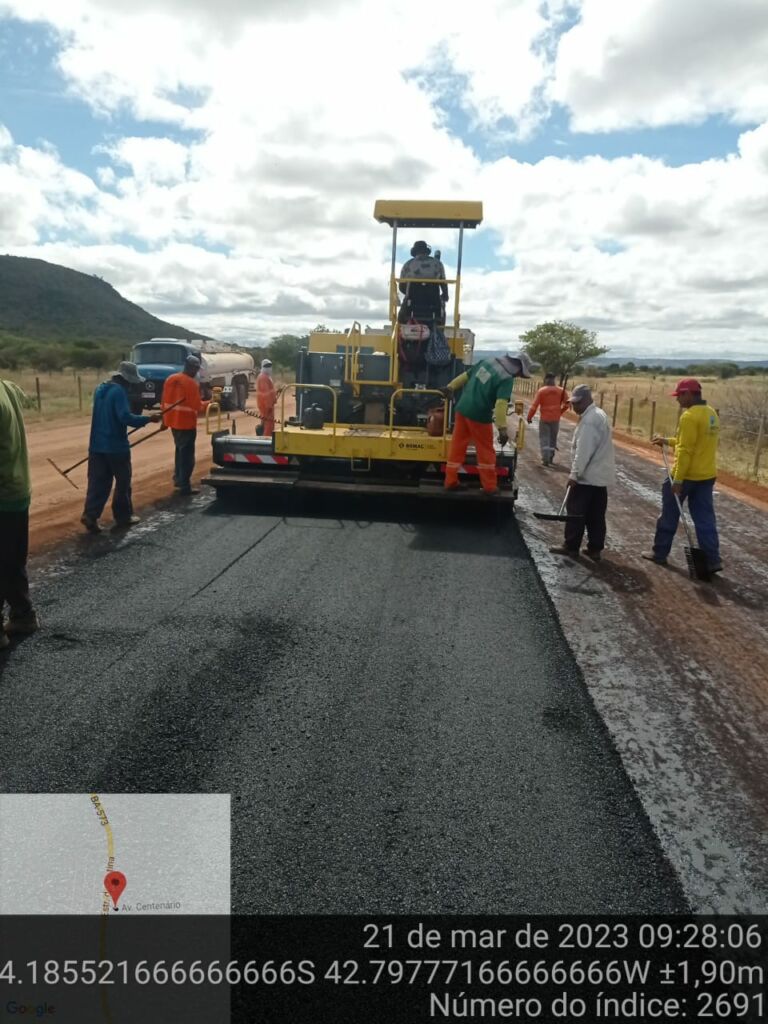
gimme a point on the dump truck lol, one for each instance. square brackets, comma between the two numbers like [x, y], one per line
[220, 367]
[371, 414]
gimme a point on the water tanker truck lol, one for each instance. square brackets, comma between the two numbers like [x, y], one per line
[226, 368]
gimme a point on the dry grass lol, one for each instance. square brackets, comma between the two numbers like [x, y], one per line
[739, 401]
[58, 391]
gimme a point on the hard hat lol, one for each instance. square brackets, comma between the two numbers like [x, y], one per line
[192, 361]
[581, 391]
[420, 249]
[265, 363]
[685, 385]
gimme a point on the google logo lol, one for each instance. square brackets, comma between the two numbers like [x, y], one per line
[13, 1009]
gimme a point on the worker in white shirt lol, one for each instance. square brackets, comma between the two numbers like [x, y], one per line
[593, 470]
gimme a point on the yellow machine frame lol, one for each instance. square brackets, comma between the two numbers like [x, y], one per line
[384, 441]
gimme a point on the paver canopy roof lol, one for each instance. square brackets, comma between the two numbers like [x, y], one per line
[418, 213]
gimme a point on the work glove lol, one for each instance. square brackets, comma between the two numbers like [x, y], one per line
[659, 440]
[503, 436]
[446, 393]
[156, 417]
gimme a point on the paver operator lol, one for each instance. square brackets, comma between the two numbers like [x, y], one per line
[693, 476]
[423, 266]
[487, 390]
[14, 515]
[266, 398]
[551, 402]
[183, 388]
[109, 454]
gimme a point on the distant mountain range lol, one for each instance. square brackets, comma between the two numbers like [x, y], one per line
[44, 302]
[693, 360]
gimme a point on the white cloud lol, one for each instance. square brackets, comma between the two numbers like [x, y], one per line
[259, 219]
[659, 62]
[150, 160]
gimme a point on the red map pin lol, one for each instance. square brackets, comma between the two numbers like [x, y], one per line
[114, 883]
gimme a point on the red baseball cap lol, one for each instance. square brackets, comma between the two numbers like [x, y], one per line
[686, 384]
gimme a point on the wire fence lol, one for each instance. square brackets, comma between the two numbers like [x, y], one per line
[743, 418]
[640, 409]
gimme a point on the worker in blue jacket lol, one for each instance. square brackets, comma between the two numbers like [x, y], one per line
[109, 454]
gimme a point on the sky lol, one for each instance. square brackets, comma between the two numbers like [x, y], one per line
[218, 163]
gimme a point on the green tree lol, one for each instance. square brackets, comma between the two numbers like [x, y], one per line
[284, 349]
[51, 358]
[727, 370]
[81, 358]
[560, 346]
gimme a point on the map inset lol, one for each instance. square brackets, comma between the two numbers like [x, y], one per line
[57, 852]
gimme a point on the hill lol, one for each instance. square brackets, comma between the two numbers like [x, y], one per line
[672, 364]
[45, 303]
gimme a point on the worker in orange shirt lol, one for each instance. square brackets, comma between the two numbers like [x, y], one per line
[551, 401]
[266, 398]
[183, 387]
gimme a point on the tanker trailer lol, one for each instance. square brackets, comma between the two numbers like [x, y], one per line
[233, 372]
[158, 358]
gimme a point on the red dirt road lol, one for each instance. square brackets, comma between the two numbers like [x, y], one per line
[57, 506]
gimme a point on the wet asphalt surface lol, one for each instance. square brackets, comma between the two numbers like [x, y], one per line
[387, 696]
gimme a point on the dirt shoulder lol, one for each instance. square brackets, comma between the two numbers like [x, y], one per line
[677, 668]
[57, 506]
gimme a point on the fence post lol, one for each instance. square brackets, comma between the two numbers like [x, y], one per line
[615, 408]
[602, 399]
[631, 408]
[653, 417]
[80, 393]
[39, 396]
[759, 445]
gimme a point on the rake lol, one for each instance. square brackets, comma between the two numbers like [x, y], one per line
[562, 516]
[65, 472]
[698, 567]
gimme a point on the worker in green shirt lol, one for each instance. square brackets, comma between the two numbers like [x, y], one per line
[14, 515]
[487, 389]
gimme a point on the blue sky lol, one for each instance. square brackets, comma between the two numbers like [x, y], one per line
[609, 195]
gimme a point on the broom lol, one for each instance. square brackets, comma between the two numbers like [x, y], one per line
[698, 567]
[561, 516]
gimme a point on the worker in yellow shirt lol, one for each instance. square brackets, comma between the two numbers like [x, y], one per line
[693, 476]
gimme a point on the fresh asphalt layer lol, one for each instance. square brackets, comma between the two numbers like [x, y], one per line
[389, 701]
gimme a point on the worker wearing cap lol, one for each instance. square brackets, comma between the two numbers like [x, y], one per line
[693, 476]
[551, 402]
[593, 470]
[266, 398]
[487, 389]
[109, 454]
[184, 389]
[14, 515]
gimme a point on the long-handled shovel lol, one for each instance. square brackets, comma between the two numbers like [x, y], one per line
[698, 567]
[562, 516]
[65, 472]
